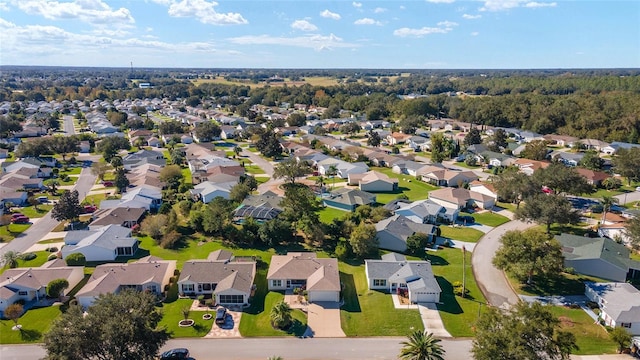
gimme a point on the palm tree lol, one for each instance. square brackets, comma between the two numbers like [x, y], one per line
[281, 315]
[275, 358]
[421, 346]
[332, 171]
[53, 186]
[237, 150]
[10, 259]
[607, 202]
[320, 182]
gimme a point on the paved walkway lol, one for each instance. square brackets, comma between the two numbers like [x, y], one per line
[458, 244]
[432, 320]
[323, 320]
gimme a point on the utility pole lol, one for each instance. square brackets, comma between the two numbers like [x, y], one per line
[464, 257]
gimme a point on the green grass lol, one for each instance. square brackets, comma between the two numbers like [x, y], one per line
[262, 179]
[96, 198]
[566, 284]
[371, 313]
[464, 165]
[577, 229]
[591, 338]
[41, 258]
[509, 206]
[71, 171]
[253, 169]
[51, 241]
[407, 185]
[31, 212]
[256, 319]
[458, 314]
[604, 192]
[186, 173]
[9, 232]
[461, 233]
[327, 214]
[171, 315]
[70, 181]
[35, 323]
[488, 218]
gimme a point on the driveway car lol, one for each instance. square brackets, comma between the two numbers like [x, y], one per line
[179, 353]
[17, 215]
[221, 315]
[20, 220]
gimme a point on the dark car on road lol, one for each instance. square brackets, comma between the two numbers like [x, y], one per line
[180, 353]
[221, 315]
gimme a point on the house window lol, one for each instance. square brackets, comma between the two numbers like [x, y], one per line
[153, 288]
[231, 299]
[379, 282]
[206, 287]
[22, 293]
[187, 287]
[276, 283]
[626, 325]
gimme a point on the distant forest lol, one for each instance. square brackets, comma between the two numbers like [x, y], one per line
[600, 104]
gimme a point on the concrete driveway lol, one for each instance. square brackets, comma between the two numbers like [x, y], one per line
[323, 320]
[432, 320]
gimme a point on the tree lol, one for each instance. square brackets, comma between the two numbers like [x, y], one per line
[5, 219]
[364, 240]
[154, 226]
[177, 156]
[473, 137]
[291, 169]
[172, 176]
[33, 201]
[110, 145]
[239, 192]
[625, 163]
[76, 259]
[269, 145]
[237, 150]
[64, 144]
[373, 138]
[68, 207]
[607, 202]
[275, 232]
[170, 127]
[632, 231]
[250, 181]
[548, 209]
[56, 287]
[297, 119]
[100, 169]
[562, 179]
[421, 346]
[524, 332]
[513, 186]
[592, 161]
[438, 148]
[331, 172]
[527, 253]
[535, 150]
[121, 181]
[13, 313]
[281, 315]
[611, 183]
[10, 259]
[52, 185]
[139, 142]
[116, 326]
[499, 139]
[620, 336]
[207, 131]
[416, 243]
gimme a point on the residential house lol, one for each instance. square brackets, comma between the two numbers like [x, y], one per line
[263, 207]
[18, 198]
[125, 217]
[593, 144]
[105, 243]
[423, 211]
[373, 181]
[208, 190]
[450, 178]
[228, 282]
[30, 284]
[619, 304]
[348, 199]
[408, 167]
[461, 198]
[600, 257]
[154, 142]
[397, 138]
[228, 132]
[84, 147]
[560, 140]
[528, 167]
[393, 232]
[484, 188]
[594, 178]
[343, 168]
[318, 276]
[393, 272]
[16, 183]
[419, 143]
[150, 274]
[616, 145]
[143, 157]
[496, 159]
[567, 158]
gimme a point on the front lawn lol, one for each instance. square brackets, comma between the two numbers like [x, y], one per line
[371, 313]
[9, 232]
[407, 185]
[458, 314]
[565, 284]
[592, 339]
[461, 233]
[253, 169]
[96, 198]
[488, 218]
[35, 323]
[171, 315]
[509, 206]
[32, 212]
[71, 171]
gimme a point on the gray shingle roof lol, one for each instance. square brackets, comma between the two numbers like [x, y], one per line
[227, 275]
[582, 248]
[418, 275]
[622, 301]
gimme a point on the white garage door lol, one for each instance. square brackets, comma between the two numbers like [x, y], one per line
[425, 297]
[324, 296]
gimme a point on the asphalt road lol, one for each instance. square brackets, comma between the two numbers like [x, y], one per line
[43, 226]
[68, 127]
[491, 280]
[628, 197]
[287, 348]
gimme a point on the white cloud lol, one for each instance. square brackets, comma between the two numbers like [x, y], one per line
[475, 33]
[356, 4]
[379, 10]
[408, 32]
[303, 25]
[447, 24]
[316, 42]
[149, 29]
[205, 12]
[471, 17]
[4, 6]
[330, 15]
[367, 21]
[535, 4]
[441, 1]
[402, 7]
[89, 11]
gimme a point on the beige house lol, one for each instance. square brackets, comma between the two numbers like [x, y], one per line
[373, 181]
[450, 178]
[318, 276]
[461, 198]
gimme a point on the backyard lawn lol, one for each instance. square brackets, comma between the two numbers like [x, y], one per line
[592, 339]
[488, 218]
[407, 185]
[35, 323]
[461, 233]
[458, 314]
[186, 173]
[566, 284]
[327, 214]
[371, 313]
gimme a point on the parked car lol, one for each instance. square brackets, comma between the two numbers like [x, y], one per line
[17, 215]
[89, 209]
[179, 353]
[20, 220]
[107, 183]
[43, 199]
[638, 188]
[221, 315]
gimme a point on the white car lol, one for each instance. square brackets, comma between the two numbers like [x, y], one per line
[638, 188]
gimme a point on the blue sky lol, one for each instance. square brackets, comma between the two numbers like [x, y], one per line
[424, 34]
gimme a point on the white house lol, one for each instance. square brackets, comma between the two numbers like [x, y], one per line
[208, 190]
[619, 304]
[103, 244]
[319, 276]
[394, 273]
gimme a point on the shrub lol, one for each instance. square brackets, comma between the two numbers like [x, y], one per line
[570, 270]
[170, 240]
[52, 257]
[76, 259]
[52, 249]
[342, 251]
[28, 256]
